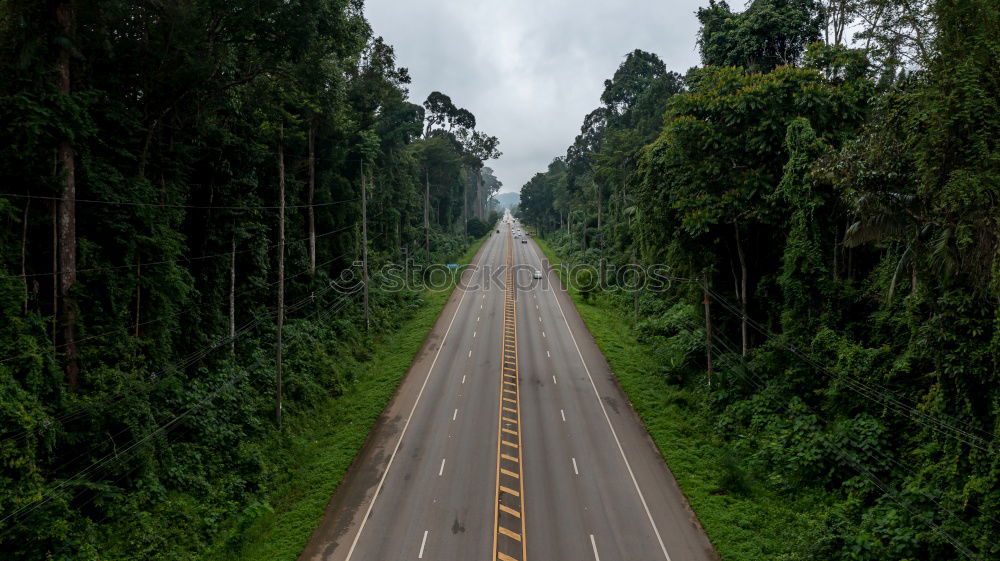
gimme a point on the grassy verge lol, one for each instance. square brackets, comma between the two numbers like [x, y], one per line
[749, 525]
[324, 442]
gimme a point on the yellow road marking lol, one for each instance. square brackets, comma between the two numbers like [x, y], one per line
[509, 534]
[509, 491]
[509, 511]
[510, 526]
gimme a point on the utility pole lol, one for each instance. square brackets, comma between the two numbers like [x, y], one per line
[281, 274]
[364, 240]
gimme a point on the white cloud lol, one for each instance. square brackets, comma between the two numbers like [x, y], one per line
[529, 70]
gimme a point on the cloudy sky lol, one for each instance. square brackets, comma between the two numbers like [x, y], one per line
[529, 70]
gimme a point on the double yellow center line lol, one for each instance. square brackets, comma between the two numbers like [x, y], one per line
[508, 520]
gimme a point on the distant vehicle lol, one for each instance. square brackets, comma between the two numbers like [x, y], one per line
[538, 274]
[524, 240]
[498, 231]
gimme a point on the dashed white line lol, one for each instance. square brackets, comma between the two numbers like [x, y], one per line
[424, 542]
[563, 414]
[576, 471]
[539, 318]
[548, 354]
[463, 378]
[474, 334]
[554, 379]
[614, 434]
[406, 425]
[441, 470]
[593, 544]
[454, 415]
[470, 353]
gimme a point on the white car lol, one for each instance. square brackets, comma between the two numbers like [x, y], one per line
[538, 274]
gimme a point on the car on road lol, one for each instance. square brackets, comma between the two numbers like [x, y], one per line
[538, 274]
[524, 240]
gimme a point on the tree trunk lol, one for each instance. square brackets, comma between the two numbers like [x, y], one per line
[480, 199]
[743, 288]
[138, 295]
[364, 240]
[64, 17]
[427, 216]
[232, 295]
[836, 237]
[24, 251]
[281, 276]
[312, 195]
[55, 273]
[708, 326]
[600, 235]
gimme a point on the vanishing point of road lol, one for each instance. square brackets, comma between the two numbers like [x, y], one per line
[509, 439]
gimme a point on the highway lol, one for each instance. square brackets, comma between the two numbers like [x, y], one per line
[509, 439]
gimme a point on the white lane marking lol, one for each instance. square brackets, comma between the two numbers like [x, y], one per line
[474, 334]
[548, 354]
[621, 450]
[593, 544]
[563, 413]
[463, 378]
[455, 414]
[480, 306]
[441, 470]
[554, 379]
[576, 471]
[406, 425]
[536, 306]
[470, 353]
[543, 334]
[477, 318]
[423, 542]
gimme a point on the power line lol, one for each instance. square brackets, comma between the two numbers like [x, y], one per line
[166, 427]
[158, 376]
[168, 205]
[886, 489]
[877, 394]
[183, 260]
[133, 326]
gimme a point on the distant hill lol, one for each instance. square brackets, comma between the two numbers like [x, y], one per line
[508, 200]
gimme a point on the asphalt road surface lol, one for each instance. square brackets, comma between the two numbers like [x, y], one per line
[509, 439]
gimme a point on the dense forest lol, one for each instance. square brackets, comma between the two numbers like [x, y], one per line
[180, 183]
[825, 192]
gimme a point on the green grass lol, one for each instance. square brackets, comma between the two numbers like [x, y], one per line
[324, 442]
[748, 524]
